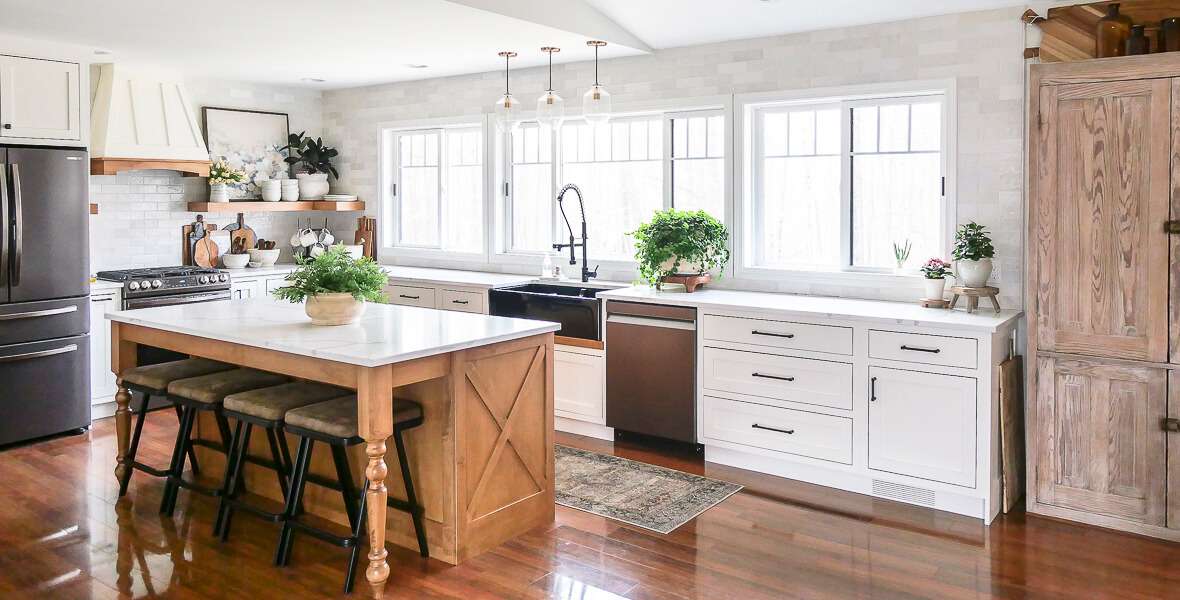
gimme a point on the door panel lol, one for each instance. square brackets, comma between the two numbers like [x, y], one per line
[46, 388]
[1099, 444]
[1174, 240]
[5, 226]
[47, 319]
[1173, 436]
[52, 252]
[650, 379]
[39, 99]
[1101, 197]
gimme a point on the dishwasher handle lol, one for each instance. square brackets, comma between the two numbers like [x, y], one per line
[650, 322]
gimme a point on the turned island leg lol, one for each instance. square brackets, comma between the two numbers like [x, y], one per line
[375, 419]
[122, 431]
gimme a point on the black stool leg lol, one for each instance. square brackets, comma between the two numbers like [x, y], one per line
[134, 448]
[281, 467]
[176, 467]
[344, 476]
[358, 529]
[411, 497]
[294, 499]
[192, 454]
[233, 471]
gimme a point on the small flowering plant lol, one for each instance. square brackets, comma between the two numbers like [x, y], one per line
[221, 172]
[936, 268]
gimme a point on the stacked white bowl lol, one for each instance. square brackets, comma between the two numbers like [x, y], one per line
[290, 189]
[271, 192]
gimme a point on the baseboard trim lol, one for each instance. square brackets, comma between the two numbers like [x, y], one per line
[593, 430]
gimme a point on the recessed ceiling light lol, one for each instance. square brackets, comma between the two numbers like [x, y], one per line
[416, 66]
[312, 80]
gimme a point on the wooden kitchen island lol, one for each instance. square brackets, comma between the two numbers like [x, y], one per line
[483, 459]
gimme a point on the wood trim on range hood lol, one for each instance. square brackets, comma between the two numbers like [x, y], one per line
[143, 120]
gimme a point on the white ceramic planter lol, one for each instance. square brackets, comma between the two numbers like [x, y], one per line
[934, 289]
[312, 186]
[219, 192]
[686, 268]
[271, 192]
[973, 273]
[333, 309]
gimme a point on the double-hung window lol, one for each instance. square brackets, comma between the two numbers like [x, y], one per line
[832, 185]
[437, 188]
[697, 161]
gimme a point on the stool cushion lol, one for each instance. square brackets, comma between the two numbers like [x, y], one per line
[214, 387]
[272, 403]
[157, 377]
[338, 417]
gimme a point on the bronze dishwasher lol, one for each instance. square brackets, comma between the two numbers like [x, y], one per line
[651, 369]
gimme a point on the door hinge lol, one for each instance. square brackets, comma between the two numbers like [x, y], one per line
[1172, 227]
[1171, 424]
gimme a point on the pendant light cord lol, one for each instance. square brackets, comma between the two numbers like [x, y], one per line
[595, 65]
[550, 70]
[506, 57]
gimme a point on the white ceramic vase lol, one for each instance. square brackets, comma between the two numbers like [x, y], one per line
[333, 309]
[219, 192]
[973, 273]
[934, 288]
[312, 186]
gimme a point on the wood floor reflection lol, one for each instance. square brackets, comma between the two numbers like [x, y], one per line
[63, 535]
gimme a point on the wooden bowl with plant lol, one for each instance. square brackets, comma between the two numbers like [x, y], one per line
[335, 286]
[681, 245]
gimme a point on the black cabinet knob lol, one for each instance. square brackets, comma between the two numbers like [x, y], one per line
[8, 125]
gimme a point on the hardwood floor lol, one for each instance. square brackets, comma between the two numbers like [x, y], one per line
[63, 535]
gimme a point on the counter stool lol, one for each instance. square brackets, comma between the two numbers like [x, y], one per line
[335, 423]
[151, 381]
[205, 393]
[265, 408]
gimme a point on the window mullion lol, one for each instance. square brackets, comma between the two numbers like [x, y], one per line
[668, 132]
[846, 166]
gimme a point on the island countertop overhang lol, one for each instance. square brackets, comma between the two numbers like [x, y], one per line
[386, 334]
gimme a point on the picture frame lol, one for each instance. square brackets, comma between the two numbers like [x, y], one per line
[248, 140]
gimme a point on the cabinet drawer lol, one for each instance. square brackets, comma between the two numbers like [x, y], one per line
[778, 334]
[411, 296]
[461, 301]
[802, 380]
[920, 348]
[780, 429]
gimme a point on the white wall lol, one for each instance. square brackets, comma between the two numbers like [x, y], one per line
[981, 51]
[141, 212]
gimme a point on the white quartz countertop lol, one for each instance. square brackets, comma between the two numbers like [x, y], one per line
[243, 273]
[453, 277]
[98, 286]
[386, 333]
[818, 306]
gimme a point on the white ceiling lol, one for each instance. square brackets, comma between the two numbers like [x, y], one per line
[360, 42]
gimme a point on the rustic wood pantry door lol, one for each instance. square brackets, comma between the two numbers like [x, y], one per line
[1102, 183]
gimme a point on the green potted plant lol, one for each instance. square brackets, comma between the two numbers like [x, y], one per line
[901, 253]
[935, 271]
[973, 252]
[312, 161]
[335, 285]
[221, 175]
[680, 243]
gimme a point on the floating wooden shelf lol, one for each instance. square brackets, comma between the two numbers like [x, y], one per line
[1069, 31]
[113, 166]
[261, 206]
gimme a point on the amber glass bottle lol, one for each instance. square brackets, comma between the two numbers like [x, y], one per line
[1138, 43]
[1169, 40]
[1113, 31]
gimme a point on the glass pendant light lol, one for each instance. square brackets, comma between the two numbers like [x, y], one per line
[550, 106]
[506, 112]
[596, 100]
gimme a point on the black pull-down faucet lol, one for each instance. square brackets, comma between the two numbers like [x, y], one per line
[586, 273]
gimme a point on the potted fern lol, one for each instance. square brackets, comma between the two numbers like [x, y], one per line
[679, 243]
[973, 252]
[313, 161]
[335, 286]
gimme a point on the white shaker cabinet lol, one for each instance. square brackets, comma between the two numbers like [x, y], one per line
[922, 425]
[40, 99]
[579, 384]
[102, 379]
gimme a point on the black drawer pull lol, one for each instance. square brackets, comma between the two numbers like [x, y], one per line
[409, 297]
[873, 389]
[918, 349]
[773, 334]
[786, 431]
[460, 301]
[778, 377]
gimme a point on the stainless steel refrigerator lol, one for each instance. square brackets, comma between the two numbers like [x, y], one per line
[44, 292]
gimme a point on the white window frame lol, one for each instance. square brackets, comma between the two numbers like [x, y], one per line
[390, 249]
[749, 108]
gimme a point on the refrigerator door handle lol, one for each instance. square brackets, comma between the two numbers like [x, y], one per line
[18, 242]
[40, 313]
[39, 353]
[4, 224]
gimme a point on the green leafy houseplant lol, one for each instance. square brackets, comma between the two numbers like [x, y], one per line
[313, 155]
[335, 272]
[972, 243]
[675, 239]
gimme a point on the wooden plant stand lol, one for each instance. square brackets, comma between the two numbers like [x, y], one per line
[973, 295]
[690, 282]
[934, 303]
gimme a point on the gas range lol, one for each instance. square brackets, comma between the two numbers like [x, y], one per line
[164, 286]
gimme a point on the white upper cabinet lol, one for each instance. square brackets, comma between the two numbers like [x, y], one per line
[39, 99]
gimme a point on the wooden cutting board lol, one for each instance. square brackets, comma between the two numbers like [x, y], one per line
[190, 235]
[240, 230]
[205, 252]
[1011, 377]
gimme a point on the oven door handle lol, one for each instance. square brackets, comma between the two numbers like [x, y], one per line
[134, 303]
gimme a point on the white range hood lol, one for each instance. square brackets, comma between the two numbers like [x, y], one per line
[141, 119]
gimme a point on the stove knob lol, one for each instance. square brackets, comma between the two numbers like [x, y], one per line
[156, 284]
[204, 279]
[223, 278]
[133, 285]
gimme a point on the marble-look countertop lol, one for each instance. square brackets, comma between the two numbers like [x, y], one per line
[475, 279]
[386, 333]
[823, 307]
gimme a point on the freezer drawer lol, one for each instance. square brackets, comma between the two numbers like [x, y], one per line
[46, 388]
[30, 321]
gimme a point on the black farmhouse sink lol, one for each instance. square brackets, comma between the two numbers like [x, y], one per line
[577, 308]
